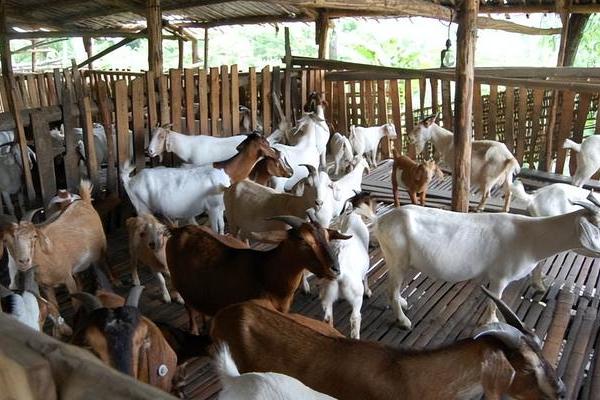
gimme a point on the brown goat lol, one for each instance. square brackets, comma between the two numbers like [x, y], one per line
[264, 340]
[61, 247]
[210, 274]
[147, 240]
[116, 332]
[413, 176]
[268, 167]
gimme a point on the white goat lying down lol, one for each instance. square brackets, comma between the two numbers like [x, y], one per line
[555, 199]
[197, 149]
[258, 385]
[353, 257]
[498, 247]
[365, 141]
[588, 158]
[341, 149]
[491, 162]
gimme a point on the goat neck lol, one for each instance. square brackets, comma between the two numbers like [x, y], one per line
[179, 144]
[552, 234]
[442, 138]
[239, 166]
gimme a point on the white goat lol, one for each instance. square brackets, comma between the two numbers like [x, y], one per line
[305, 152]
[365, 141]
[548, 201]
[178, 193]
[341, 149]
[351, 183]
[588, 158]
[499, 247]
[258, 385]
[23, 306]
[197, 150]
[248, 205]
[491, 162]
[353, 257]
[11, 170]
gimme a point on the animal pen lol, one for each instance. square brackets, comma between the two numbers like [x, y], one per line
[531, 110]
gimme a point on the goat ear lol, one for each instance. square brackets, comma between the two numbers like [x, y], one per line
[44, 241]
[497, 374]
[336, 235]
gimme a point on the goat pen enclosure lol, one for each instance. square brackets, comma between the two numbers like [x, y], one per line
[195, 101]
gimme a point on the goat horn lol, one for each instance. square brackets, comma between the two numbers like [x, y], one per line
[312, 171]
[507, 334]
[28, 216]
[585, 205]
[593, 199]
[89, 301]
[291, 220]
[509, 316]
[133, 298]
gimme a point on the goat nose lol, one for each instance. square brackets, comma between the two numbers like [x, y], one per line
[24, 261]
[152, 245]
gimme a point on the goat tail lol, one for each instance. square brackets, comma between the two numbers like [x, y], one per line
[224, 364]
[569, 144]
[518, 190]
[85, 191]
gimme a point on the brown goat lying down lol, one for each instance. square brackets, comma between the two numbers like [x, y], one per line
[116, 332]
[210, 274]
[413, 176]
[264, 340]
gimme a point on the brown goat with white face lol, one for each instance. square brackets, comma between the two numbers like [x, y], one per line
[210, 274]
[147, 240]
[115, 330]
[61, 247]
[264, 340]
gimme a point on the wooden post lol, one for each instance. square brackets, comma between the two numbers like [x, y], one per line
[322, 33]
[463, 100]
[154, 31]
[205, 48]
[287, 89]
[181, 47]
[33, 42]
[88, 46]
[14, 108]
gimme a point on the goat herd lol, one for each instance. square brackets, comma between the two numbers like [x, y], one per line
[275, 191]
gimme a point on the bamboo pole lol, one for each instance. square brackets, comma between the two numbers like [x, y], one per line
[463, 100]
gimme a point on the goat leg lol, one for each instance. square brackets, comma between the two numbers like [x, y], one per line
[422, 197]
[60, 328]
[413, 197]
[537, 280]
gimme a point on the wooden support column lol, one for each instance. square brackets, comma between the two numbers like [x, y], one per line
[154, 31]
[195, 57]
[463, 100]
[322, 33]
[577, 23]
[181, 48]
[33, 54]
[14, 108]
[88, 46]
[205, 48]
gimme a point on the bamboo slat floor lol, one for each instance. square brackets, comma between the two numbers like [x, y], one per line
[564, 316]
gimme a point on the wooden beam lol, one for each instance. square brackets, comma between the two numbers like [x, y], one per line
[76, 33]
[9, 80]
[154, 27]
[205, 48]
[106, 51]
[463, 101]
[576, 27]
[322, 33]
[520, 8]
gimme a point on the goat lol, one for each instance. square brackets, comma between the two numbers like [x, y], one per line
[260, 203]
[147, 244]
[548, 201]
[353, 257]
[196, 149]
[11, 170]
[60, 247]
[269, 167]
[414, 177]
[353, 369]
[115, 330]
[305, 151]
[211, 274]
[315, 105]
[351, 183]
[588, 158]
[181, 193]
[252, 385]
[456, 247]
[341, 149]
[491, 162]
[25, 305]
[365, 141]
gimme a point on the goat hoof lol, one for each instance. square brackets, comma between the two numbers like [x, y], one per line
[404, 323]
